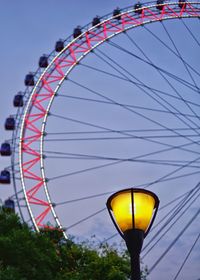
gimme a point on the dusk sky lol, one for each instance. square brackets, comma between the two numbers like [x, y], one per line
[30, 29]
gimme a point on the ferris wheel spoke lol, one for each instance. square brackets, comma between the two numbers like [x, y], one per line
[116, 131]
[170, 216]
[162, 71]
[168, 175]
[170, 49]
[18, 192]
[130, 106]
[135, 107]
[179, 55]
[104, 138]
[16, 165]
[139, 137]
[159, 151]
[104, 72]
[144, 91]
[178, 214]
[175, 240]
[110, 192]
[82, 198]
[86, 218]
[187, 256]
[185, 65]
[149, 161]
[167, 73]
[175, 171]
[162, 74]
[176, 199]
[190, 32]
[141, 84]
[170, 226]
[151, 120]
[137, 84]
[145, 130]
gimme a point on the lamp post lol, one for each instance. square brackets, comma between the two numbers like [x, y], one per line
[133, 212]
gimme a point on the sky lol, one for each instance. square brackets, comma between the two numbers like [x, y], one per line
[28, 30]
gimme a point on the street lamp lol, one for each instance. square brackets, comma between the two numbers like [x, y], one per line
[133, 212]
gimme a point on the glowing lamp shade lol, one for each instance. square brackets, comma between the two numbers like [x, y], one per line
[133, 209]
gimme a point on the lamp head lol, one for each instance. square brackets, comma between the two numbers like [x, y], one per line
[133, 209]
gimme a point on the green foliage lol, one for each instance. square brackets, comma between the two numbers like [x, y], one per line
[30, 255]
[81, 262]
[27, 255]
[10, 273]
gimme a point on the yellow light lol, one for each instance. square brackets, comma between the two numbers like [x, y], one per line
[122, 209]
[143, 206]
[133, 209]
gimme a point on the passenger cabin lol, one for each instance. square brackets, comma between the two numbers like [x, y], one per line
[9, 204]
[181, 3]
[29, 80]
[77, 32]
[5, 149]
[18, 100]
[59, 46]
[138, 8]
[160, 4]
[5, 177]
[43, 61]
[116, 14]
[95, 21]
[10, 123]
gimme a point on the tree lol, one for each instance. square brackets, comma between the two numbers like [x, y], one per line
[27, 255]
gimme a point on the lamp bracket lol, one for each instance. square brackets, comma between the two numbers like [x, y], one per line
[134, 240]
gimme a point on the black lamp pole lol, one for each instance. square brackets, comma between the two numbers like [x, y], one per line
[134, 240]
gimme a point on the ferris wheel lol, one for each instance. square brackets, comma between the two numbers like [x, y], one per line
[114, 105]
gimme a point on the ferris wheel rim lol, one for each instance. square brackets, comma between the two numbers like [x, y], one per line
[28, 109]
